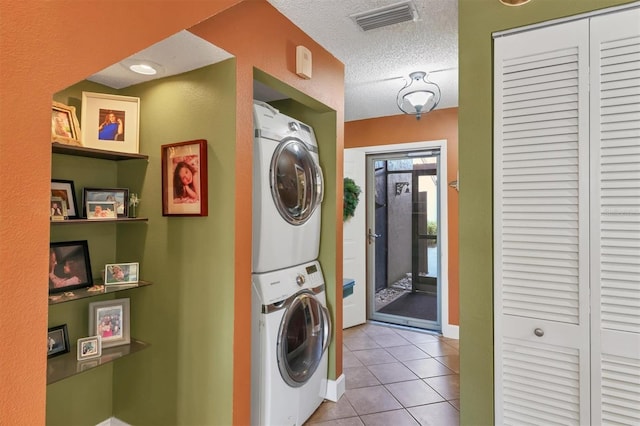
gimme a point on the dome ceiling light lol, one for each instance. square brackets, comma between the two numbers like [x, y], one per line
[514, 2]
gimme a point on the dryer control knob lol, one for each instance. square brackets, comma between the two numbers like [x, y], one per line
[293, 126]
[300, 279]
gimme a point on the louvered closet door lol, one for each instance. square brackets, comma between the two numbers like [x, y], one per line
[541, 203]
[615, 215]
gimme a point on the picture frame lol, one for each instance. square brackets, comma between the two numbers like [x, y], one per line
[64, 125]
[89, 347]
[110, 122]
[69, 266]
[57, 340]
[101, 210]
[121, 273]
[58, 209]
[109, 319]
[119, 195]
[66, 190]
[184, 178]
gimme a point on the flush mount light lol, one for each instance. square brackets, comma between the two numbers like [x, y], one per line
[419, 95]
[514, 2]
[144, 69]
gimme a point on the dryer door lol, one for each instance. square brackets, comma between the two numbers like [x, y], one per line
[296, 181]
[303, 337]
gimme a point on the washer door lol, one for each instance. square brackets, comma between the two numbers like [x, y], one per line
[296, 181]
[302, 339]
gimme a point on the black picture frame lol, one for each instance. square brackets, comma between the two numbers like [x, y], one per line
[57, 340]
[66, 190]
[119, 195]
[69, 266]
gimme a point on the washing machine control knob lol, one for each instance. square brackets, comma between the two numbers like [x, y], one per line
[300, 279]
[293, 126]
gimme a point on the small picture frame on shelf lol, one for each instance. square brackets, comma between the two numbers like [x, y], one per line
[121, 273]
[89, 347]
[100, 210]
[58, 209]
[184, 178]
[69, 266]
[110, 320]
[118, 195]
[57, 341]
[64, 124]
[65, 189]
[110, 122]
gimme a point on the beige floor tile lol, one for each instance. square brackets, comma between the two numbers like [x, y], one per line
[437, 348]
[451, 361]
[373, 399]
[374, 356]
[388, 418]
[455, 403]
[329, 410]
[438, 414]
[392, 372]
[360, 342]
[417, 337]
[428, 367]
[406, 352]
[388, 340]
[447, 386]
[359, 377]
[349, 360]
[413, 393]
[351, 421]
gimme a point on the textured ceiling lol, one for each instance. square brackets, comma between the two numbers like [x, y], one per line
[376, 62]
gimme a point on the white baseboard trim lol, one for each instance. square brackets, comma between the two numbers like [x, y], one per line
[113, 421]
[335, 388]
[451, 331]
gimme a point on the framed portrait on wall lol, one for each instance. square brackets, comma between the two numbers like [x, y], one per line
[110, 122]
[184, 178]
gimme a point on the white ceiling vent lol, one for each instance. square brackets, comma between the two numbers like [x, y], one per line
[388, 15]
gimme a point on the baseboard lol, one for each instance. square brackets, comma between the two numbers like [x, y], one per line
[335, 389]
[451, 331]
[113, 421]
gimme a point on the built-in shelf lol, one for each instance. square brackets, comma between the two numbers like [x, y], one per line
[67, 365]
[96, 290]
[79, 221]
[81, 151]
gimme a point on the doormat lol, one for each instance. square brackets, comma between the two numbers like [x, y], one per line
[414, 305]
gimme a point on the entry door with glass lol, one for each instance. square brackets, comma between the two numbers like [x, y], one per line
[403, 263]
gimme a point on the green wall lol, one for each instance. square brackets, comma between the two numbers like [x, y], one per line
[478, 19]
[186, 376]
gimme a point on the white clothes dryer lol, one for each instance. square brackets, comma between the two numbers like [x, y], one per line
[290, 329]
[287, 191]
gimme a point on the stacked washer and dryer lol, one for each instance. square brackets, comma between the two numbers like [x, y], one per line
[291, 326]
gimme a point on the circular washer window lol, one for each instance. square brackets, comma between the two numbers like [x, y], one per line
[296, 181]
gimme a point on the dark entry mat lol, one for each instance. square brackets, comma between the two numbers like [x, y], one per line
[414, 305]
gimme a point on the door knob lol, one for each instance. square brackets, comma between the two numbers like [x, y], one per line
[373, 236]
[538, 332]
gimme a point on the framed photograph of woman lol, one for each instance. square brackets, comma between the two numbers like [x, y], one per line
[57, 341]
[184, 178]
[110, 320]
[69, 266]
[110, 122]
[64, 125]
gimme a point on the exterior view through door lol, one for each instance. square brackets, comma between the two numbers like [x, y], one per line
[403, 205]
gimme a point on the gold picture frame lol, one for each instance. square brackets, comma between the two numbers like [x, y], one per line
[64, 125]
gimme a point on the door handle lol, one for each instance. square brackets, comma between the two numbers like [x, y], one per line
[372, 236]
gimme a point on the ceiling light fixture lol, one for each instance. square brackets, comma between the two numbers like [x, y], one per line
[143, 68]
[514, 2]
[419, 95]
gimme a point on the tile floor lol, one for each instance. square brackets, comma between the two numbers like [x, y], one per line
[395, 376]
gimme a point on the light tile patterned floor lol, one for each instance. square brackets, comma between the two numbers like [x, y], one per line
[395, 376]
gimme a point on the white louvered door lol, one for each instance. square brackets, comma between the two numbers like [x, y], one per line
[541, 226]
[567, 223]
[615, 217]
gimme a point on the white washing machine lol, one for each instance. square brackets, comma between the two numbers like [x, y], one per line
[291, 329]
[287, 191]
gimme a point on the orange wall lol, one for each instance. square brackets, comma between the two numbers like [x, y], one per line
[436, 125]
[47, 46]
[234, 31]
